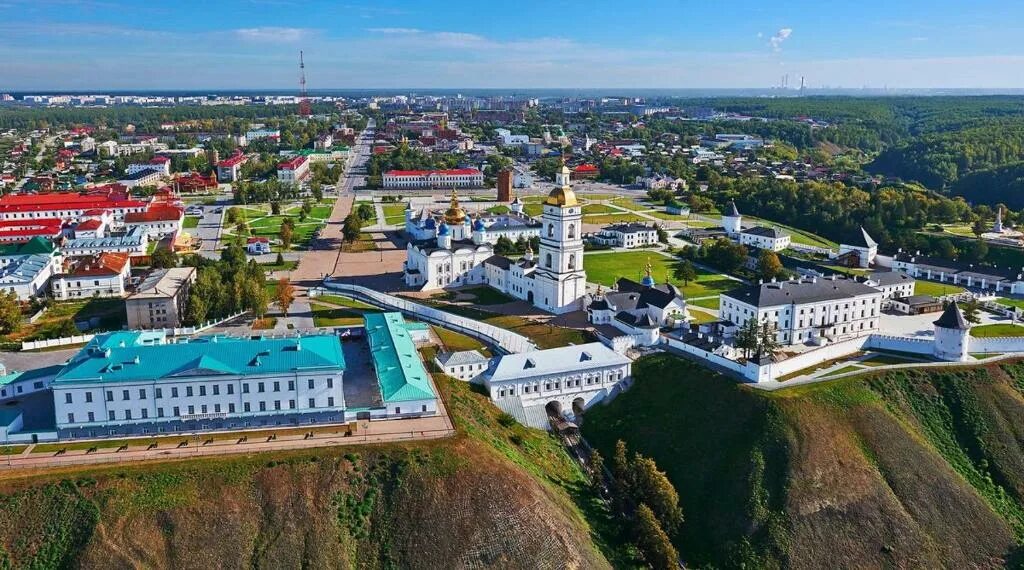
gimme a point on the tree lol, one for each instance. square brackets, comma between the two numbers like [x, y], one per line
[620, 466]
[662, 234]
[233, 255]
[597, 472]
[767, 340]
[970, 310]
[653, 541]
[946, 249]
[317, 190]
[351, 228]
[284, 294]
[286, 236]
[651, 487]
[254, 297]
[747, 337]
[768, 265]
[685, 272]
[979, 227]
[365, 212]
[275, 207]
[10, 312]
[197, 309]
[164, 258]
[977, 251]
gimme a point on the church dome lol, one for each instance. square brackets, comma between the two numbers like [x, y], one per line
[443, 229]
[430, 224]
[454, 214]
[479, 225]
[562, 197]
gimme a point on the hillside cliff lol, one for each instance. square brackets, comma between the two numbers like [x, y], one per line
[499, 495]
[899, 469]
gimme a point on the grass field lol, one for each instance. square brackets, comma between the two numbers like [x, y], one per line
[612, 219]
[698, 316]
[598, 209]
[997, 330]
[325, 316]
[798, 235]
[533, 209]
[364, 243]
[709, 303]
[454, 342]
[110, 312]
[498, 210]
[633, 204]
[261, 223]
[190, 222]
[543, 335]
[487, 296]
[936, 289]
[606, 268]
[1018, 303]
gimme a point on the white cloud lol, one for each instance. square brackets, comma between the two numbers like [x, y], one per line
[274, 34]
[779, 37]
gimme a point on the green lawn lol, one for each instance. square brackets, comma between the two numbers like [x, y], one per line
[663, 215]
[936, 289]
[543, 335]
[710, 303]
[997, 330]
[454, 342]
[599, 209]
[798, 235]
[1018, 303]
[190, 222]
[345, 302]
[606, 268]
[498, 210]
[701, 316]
[262, 223]
[886, 360]
[533, 209]
[612, 219]
[633, 204]
[286, 266]
[394, 210]
[324, 316]
[487, 296]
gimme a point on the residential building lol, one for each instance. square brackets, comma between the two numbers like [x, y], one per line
[892, 284]
[135, 383]
[455, 178]
[134, 241]
[229, 169]
[533, 386]
[146, 177]
[807, 309]
[157, 222]
[293, 171]
[273, 135]
[627, 235]
[26, 268]
[161, 299]
[20, 231]
[405, 386]
[960, 274]
[103, 275]
[160, 164]
[763, 237]
[467, 365]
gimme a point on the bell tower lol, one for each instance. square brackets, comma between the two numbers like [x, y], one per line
[560, 281]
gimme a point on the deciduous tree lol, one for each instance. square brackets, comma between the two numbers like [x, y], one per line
[284, 294]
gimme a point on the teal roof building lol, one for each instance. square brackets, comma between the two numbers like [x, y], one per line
[400, 372]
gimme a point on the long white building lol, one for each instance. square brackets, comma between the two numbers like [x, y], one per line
[454, 178]
[808, 309]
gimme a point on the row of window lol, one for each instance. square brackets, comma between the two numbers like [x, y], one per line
[571, 383]
[190, 391]
[204, 409]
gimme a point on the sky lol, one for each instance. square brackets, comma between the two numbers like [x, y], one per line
[255, 44]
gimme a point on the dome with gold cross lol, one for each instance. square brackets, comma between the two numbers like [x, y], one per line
[562, 195]
[454, 214]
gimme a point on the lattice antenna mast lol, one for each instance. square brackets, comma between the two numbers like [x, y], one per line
[304, 108]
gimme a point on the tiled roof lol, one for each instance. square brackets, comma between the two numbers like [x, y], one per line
[452, 172]
[155, 214]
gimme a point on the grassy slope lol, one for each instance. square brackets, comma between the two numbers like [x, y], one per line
[495, 496]
[909, 468]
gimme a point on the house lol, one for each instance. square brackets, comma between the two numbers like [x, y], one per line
[533, 386]
[858, 251]
[892, 284]
[26, 268]
[161, 299]
[627, 235]
[159, 164]
[158, 221]
[103, 275]
[293, 171]
[468, 365]
[916, 305]
[229, 169]
[146, 177]
[586, 172]
[763, 237]
[257, 245]
[807, 309]
[134, 241]
[677, 208]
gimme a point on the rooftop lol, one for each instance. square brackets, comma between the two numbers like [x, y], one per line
[400, 371]
[804, 290]
[127, 360]
[555, 360]
[164, 283]
[451, 172]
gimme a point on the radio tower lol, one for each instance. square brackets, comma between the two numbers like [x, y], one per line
[304, 108]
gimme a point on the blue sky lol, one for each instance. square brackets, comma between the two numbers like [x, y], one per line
[187, 44]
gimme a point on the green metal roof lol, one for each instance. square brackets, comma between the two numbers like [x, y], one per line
[35, 245]
[115, 358]
[400, 371]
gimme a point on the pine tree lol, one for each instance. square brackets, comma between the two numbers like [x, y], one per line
[651, 487]
[653, 541]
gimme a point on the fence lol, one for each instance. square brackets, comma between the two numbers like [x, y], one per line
[505, 341]
[52, 342]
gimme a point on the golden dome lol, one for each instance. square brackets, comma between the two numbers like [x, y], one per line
[454, 214]
[563, 196]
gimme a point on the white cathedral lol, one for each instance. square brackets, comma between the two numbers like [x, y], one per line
[460, 254]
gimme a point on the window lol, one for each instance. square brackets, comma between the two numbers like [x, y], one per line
[277, 404]
[263, 406]
[312, 402]
[177, 411]
[145, 413]
[398, 410]
[330, 382]
[572, 261]
[158, 392]
[245, 388]
[291, 385]
[231, 408]
[260, 387]
[572, 231]
[71, 418]
[110, 415]
[92, 417]
[203, 408]
[191, 410]
[216, 408]
[551, 230]
[547, 261]
[124, 394]
[202, 390]
[245, 406]
[330, 401]
[310, 383]
[142, 393]
[277, 386]
[188, 391]
[67, 398]
[159, 412]
[231, 388]
[174, 392]
[291, 404]
[127, 414]
[216, 389]
[88, 396]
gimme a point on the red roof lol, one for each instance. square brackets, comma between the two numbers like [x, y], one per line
[23, 230]
[232, 161]
[292, 164]
[452, 172]
[155, 214]
[103, 264]
[159, 160]
[586, 168]
[60, 201]
[91, 224]
[258, 240]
